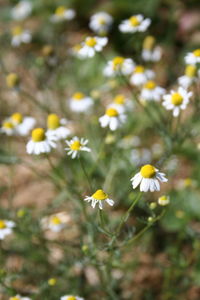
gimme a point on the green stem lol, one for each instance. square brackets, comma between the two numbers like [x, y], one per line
[86, 174]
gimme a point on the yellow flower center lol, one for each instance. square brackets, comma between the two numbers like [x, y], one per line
[176, 99]
[148, 171]
[102, 21]
[8, 125]
[190, 71]
[196, 52]
[188, 182]
[163, 198]
[78, 96]
[76, 146]
[139, 69]
[134, 21]
[112, 112]
[17, 31]
[17, 118]
[77, 47]
[53, 121]
[12, 80]
[2, 224]
[71, 298]
[117, 61]
[14, 298]
[47, 50]
[100, 195]
[52, 281]
[150, 85]
[119, 99]
[149, 42]
[91, 42]
[38, 135]
[60, 10]
[55, 220]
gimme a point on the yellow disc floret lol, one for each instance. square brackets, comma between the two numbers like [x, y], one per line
[55, 220]
[12, 80]
[134, 21]
[112, 112]
[196, 52]
[102, 21]
[78, 96]
[150, 85]
[60, 10]
[117, 61]
[75, 146]
[14, 298]
[176, 99]
[148, 171]
[53, 121]
[71, 298]
[91, 42]
[190, 70]
[38, 135]
[17, 31]
[2, 224]
[139, 69]
[52, 281]
[149, 42]
[100, 195]
[8, 125]
[17, 118]
[119, 99]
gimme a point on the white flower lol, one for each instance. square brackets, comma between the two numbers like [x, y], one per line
[18, 125]
[70, 297]
[148, 178]
[152, 55]
[56, 224]
[98, 198]
[19, 36]
[119, 65]
[80, 103]
[112, 118]
[100, 22]
[7, 128]
[134, 24]
[74, 51]
[151, 91]
[22, 10]
[177, 100]
[121, 103]
[56, 128]
[140, 75]
[40, 142]
[62, 13]
[189, 77]
[6, 228]
[163, 200]
[76, 145]
[18, 297]
[193, 58]
[91, 45]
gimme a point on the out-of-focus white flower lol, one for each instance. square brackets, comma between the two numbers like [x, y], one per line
[56, 127]
[140, 156]
[18, 297]
[121, 103]
[76, 145]
[71, 297]
[112, 118]
[6, 228]
[152, 92]
[150, 52]
[18, 125]
[74, 51]
[91, 45]
[163, 200]
[134, 24]
[190, 76]
[119, 66]
[56, 224]
[7, 128]
[99, 197]
[80, 103]
[193, 58]
[177, 100]
[19, 36]
[148, 178]
[140, 75]
[62, 14]
[100, 22]
[40, 142]
[22, 10]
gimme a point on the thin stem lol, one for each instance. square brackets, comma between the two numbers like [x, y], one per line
[85, 173]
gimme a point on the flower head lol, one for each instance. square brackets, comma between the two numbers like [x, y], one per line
[191, 75]
[91, 45]
[134, 24]
[99, 197]
[56, 128]
[17, 124]
[22, 10]
[6, 228]
[71, 297]
[151, 91]
[140, 75]
[150, 52]
[76, 145]
[12, 80]
[193, 58]
[163, 200]
[119, 66]
[19, 36]
[100, 22]
[80, 102]
[62, 14]
[112, 118]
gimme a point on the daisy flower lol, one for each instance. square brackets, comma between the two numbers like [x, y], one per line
[19, 36]
[151, 91]
[98, 198]
[56, 128]
[100, 22]
[70, 297]
[12, 80]
[119, 65]
[76, 145]
[56, 224]
[163, 200]
[148, 178]
[140, 75]
[193, 58]
[74, 51]
[112, 118]
[7, 128]
[6, 228]
[40, 142]
[80, 103]
[62, 13]
[189, 77]
[121, 103]
[91, 45]
[23, 125]
[149, 51]
[22, 10]
[177, 100]
[134, 24]
[18, 297]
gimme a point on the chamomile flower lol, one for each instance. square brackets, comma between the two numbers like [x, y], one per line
[56, 224]
[71, 297]
[40, 142]
[151, 92]
[177, 100]
[121, 103]
[6, 228]
[76, 145]
[18, 297]
[91, 45]
[193, 58]
[134, 24]
[8, 128]
[112, 118]
[22, 10]
[119, 65]
[100, 22]
[74, 51]
[80, 103]
[99, 197]
[56, 127]
[141, 75]
[62, 14]
[189, 77]
[148, 178]
[150, 52]
[20, 36]
[23, 125]
[163, 200]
